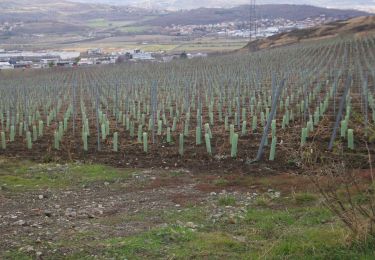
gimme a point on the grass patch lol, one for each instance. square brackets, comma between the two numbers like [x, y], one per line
[15, 254]
[269, 223]
[312, 243]
[99, 173]
[304, 198]
[175, 243]
[227, 200]
[135, 29]
[211, 245]
[196, 215]
[29, 176]
[152, 244]
[221, 182]
[314, 216]
[103, 23]
[262, 201]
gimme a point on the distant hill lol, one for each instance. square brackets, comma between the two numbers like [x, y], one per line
[355, 26]
[194, 4]
[171, 4]
[218, 15]
[82, 21]
[65, 11]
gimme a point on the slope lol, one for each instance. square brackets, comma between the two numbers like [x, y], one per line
[355, 26]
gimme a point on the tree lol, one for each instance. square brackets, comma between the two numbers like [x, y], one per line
[183, 55]
[76, 60]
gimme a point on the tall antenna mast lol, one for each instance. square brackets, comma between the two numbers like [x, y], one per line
[252, 20]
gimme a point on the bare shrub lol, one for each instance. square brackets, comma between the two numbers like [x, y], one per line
[349, 193]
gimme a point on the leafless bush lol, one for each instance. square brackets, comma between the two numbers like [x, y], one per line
[349, 194]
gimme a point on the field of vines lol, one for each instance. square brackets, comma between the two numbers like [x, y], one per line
[314, 100]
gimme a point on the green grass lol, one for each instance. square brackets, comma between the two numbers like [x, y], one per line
[103, 23]
[148, 245]
[217, 45]
[212, 245]
[308, 243]
[221, 182]
[16, 255]
[301, 233]
[123, 26]
[98, 23]
[175, 242]
[28, 176]
[305, 198]
[262, 201]
[289, 227]
[135, 29]
[227, 200]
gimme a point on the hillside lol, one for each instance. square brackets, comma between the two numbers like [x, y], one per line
[65, 11]
[55, 24]
[194, 4]
[355, 26]
[218, 15]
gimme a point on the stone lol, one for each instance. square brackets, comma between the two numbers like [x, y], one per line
[19, 223]
[27, 249]
[69, 212]
[48, 213]
[191, 225]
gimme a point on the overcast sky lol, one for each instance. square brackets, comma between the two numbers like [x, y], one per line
[357, 4]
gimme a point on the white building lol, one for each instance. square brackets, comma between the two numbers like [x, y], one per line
[197, 55]
[6, 66]
[96, 51]
[64, 55]
[37, 66]
[49, 61]
[140, 55]
[86, 62]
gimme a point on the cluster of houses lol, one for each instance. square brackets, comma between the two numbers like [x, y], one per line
[48, 59]
[9, 26]
[37, 60]
[99, 57]
[240, 29]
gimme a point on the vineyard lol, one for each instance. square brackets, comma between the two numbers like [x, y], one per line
[315, 99]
